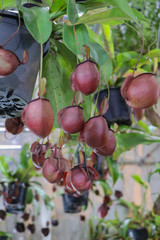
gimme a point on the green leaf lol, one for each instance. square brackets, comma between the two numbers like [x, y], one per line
[157, 220]
[9, 4]
[29, 197]
[152, 173]
[24, 156]
[125, 57]
[153, 53]
[123, 5]
[93, 37]
[144, 126]
[108, 41]
[72, 11]
[58, 83]
[47, 3]
[37, 21]
[106, 70]
[124, 227]
[127, 141]
[48, 153]
[113, 169]
[98, 53]
[138, 179]
[106, 188]
[70, 40]
[4, 234]
[58, 5]
[130, 205]
[139, 15]
[112, 16]
[4, 166]
[69, 57]
[91, 5]
[87, 105]
[46, 198]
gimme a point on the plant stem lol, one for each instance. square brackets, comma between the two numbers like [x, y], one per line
[155, 41]
[96, 102]
[41, 64]
[19, 20]
[158, 35]
[142, 45]
[41, 61]
[85, 162]
[74, 30]
[139, 54]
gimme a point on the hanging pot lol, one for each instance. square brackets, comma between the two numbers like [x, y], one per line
[75, 204]
[5, 236]
[138, 233]
[100, 165]
[14, 196]
[17, 88]
[118, 112]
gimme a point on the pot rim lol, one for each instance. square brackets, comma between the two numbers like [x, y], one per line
[14, 16]
[113, 88]
[26, 184]
[11, 15]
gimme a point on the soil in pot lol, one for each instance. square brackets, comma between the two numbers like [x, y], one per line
[138, 234]
[14, 196]
[74, 204]
[118, 112]
[16, 89]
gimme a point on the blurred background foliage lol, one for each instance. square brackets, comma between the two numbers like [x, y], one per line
[125, 38]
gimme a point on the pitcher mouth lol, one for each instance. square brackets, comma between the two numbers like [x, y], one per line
[36, 99]
[144, 74]
[86, 61]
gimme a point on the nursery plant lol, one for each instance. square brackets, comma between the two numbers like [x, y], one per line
[76, 66]
[140, 223]
[5, 236]
[18, 181]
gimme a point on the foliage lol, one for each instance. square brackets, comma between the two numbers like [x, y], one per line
[5, 234]
[117, 228]
[56, 21]
[48, 21]
[23, 171]
[125, 38]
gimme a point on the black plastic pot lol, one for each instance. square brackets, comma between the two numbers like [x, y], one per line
[14, 196]
[74, 204]
[5, 238]
[118, 112]
[138, 233]
[17, 88]
[100, 165]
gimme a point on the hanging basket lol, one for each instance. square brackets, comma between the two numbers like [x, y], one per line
[118, 112]
[138, 233]
[75, 204]
[14, 196]
[17, 88]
